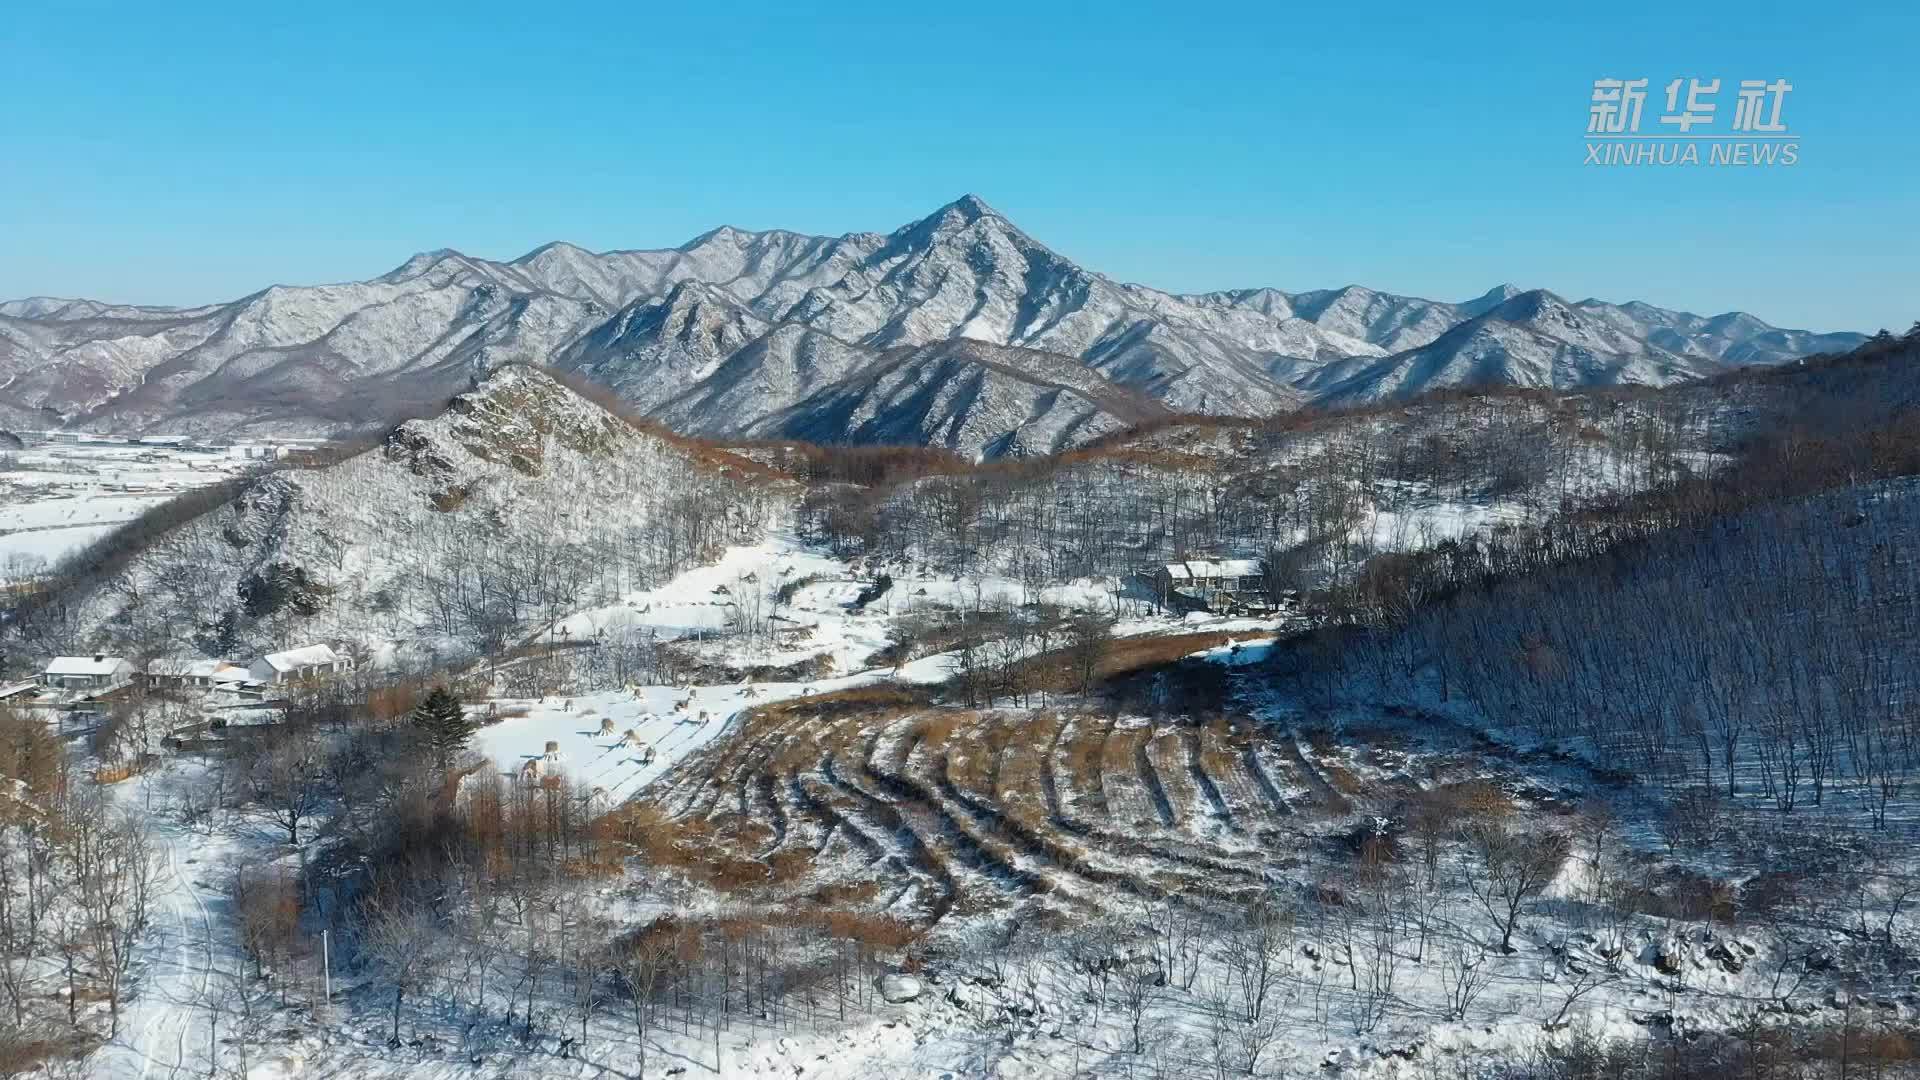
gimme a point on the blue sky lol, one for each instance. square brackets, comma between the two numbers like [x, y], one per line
[191, 153]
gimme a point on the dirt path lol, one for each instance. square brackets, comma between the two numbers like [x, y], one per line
[166, 1029]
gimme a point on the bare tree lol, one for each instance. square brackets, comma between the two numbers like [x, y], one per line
[401, 937]
[1577, 981]
[1464, 976]
[1142, 982]
[1089, 638]
[1511, 865]
[287, 780]
[646, 963]
[111, 861]
[1253, 952]
[267, 903]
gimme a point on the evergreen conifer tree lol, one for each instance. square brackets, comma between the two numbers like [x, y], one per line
[444, 724]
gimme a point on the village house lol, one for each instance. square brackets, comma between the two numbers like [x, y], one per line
[196, 675]
[19, 692]
[297, 665]
[1210, 583]
[96, 672]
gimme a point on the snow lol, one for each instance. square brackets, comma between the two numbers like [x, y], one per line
[47, 546]
[963, 272]
[301, 657]
[66, 512]
[898, 989]
[945, 1018]
[1235, 653]
[187, 958]
[59, 498]
[944, 1026]
[1214, 568]
[83, 665]
[695, 608]
[700, 601]
[592, 485]
[608, 762]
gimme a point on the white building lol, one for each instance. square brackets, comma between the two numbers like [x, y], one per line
[1209, 581]
[20, 691]
[293, 665]
[196, 674]
[96, 672]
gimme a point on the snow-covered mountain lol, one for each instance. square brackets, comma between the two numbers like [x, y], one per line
[1735, 338]
[1534, 340]
[965, 395]
[740, 331]
[519, 463]
[288, 360]
[656, 347]
[1390, 322]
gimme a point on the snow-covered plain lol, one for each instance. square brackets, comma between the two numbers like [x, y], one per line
[28, 553]
[55, 500]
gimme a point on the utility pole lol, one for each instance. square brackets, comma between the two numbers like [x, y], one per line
[326, 966]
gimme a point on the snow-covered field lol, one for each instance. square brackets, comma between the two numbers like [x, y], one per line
[700, 608]
[26, 553]
[707, 600]
[663, 720]
[56, 499]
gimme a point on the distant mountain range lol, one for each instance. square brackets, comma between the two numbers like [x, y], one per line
[957, 330]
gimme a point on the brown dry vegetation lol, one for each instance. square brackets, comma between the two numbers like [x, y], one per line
[879, 801]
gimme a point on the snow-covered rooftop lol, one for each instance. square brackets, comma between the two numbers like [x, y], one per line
[199, 669]
[83, 665]
[1213, 568]
[217, 670]
[304, 656]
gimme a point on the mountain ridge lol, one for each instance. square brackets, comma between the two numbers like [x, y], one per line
[778, 317]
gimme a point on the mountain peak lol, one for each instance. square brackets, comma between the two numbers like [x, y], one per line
[420, 263]
[965, 219]
[956, 215]
[971, 207]
[511, 410]
[689, 292]
[1493, 298]
[1532, 304]
[551, 249]
[725, 234]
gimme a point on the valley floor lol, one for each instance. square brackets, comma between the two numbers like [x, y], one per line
[56, 500]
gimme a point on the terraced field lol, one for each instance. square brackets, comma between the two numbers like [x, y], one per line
[878, 800]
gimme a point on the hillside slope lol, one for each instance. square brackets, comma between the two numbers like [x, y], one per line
[966, 396]
[522, 499]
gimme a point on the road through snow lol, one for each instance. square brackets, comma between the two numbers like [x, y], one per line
[168, 1027]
